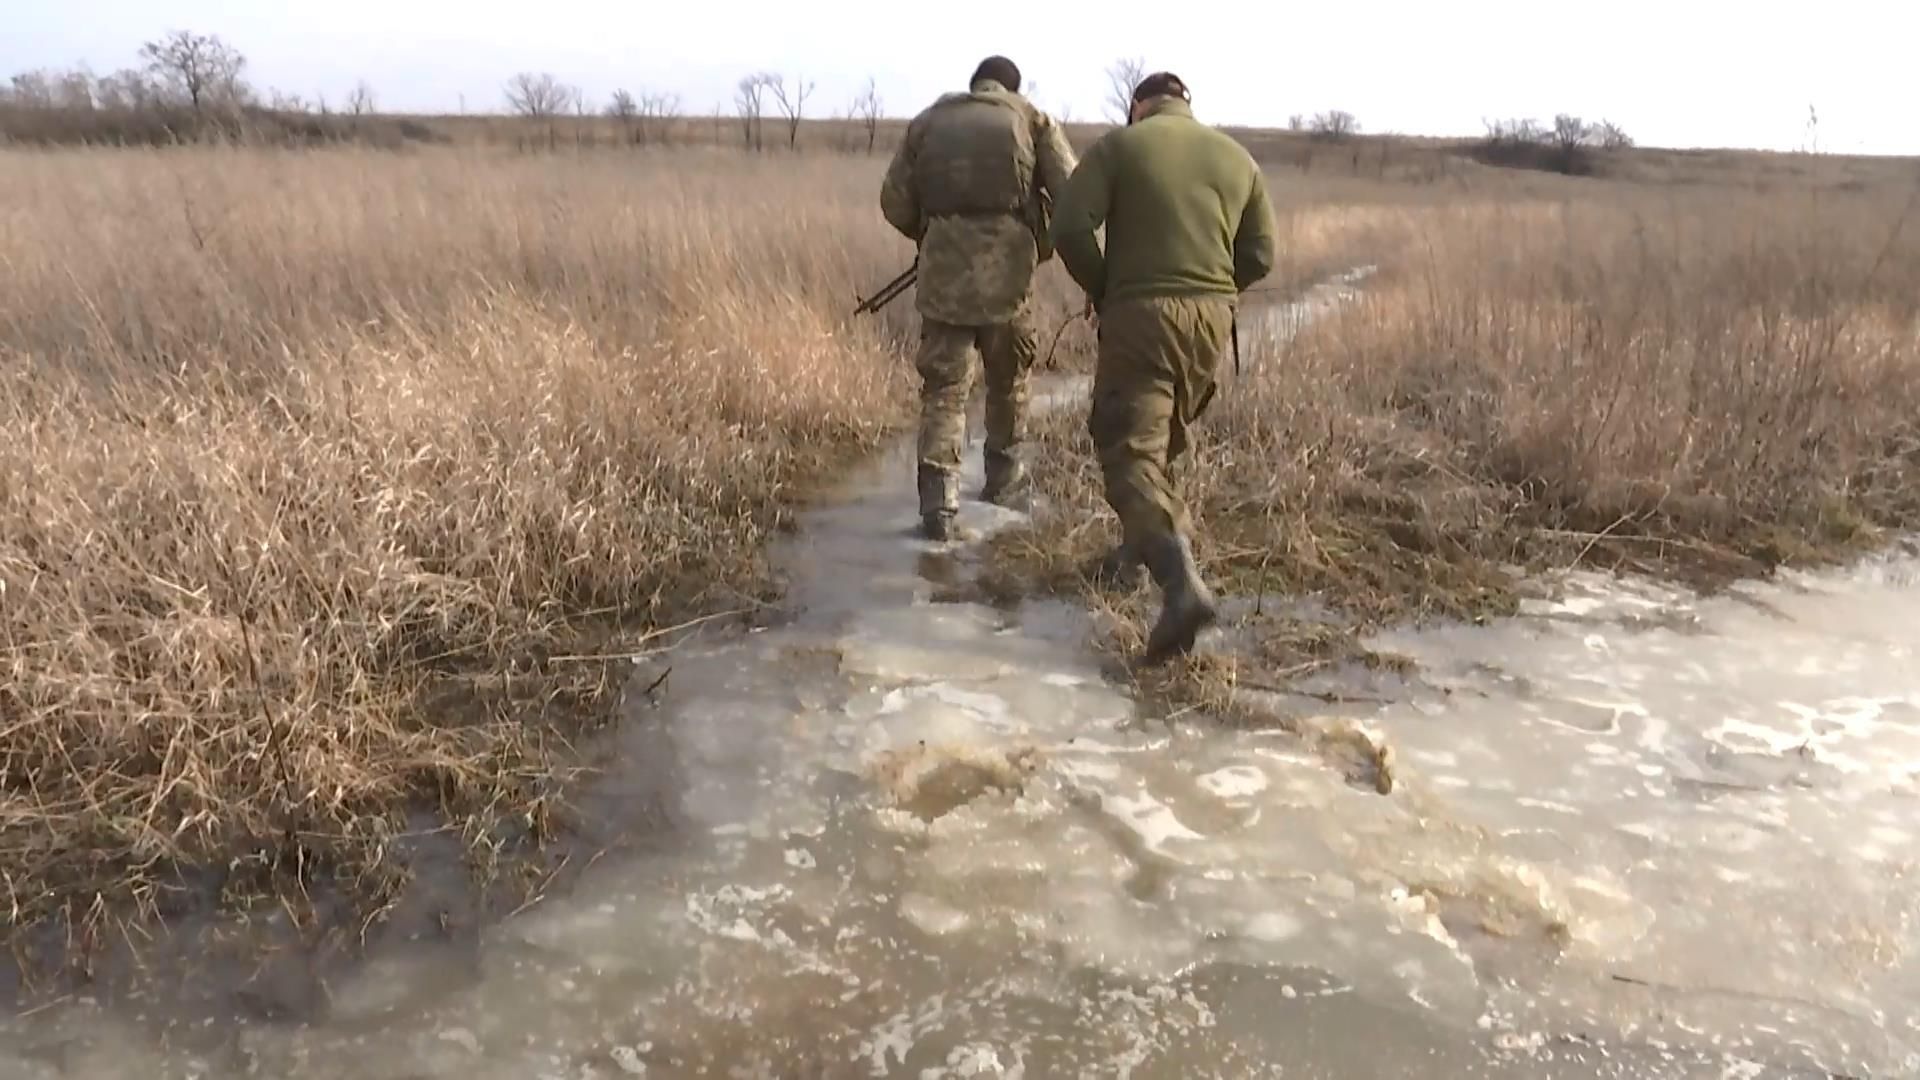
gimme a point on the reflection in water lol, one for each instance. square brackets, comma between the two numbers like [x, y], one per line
[930, 839]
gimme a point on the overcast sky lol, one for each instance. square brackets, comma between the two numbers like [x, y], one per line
[1674, 73]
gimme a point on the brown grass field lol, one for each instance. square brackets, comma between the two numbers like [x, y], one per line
[315, 465]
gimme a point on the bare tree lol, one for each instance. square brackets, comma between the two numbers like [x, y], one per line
[1296, 122]
[749, 100]
[1335, 125]
[74, 90]
[127, 89]
[866, 110]
[793, 105]
[626, 110]
[539, 96]
[1612, 136]
[32, 90]
[1122, 77]
[1514, 132]
[658, 111]
[198, 67]
[361, 102]
[1570, 133]
[281, 102]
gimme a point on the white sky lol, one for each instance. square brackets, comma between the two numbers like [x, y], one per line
[1673, 73]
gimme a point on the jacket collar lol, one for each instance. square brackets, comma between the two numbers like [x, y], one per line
[987, 86]
[1169, 106]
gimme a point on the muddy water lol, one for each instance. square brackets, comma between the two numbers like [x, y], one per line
[1632, 833]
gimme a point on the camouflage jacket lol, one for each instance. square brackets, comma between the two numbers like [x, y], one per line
[977, 269]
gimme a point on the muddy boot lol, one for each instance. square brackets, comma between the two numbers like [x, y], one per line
[939, 502]
[1007, 480]
[1186, 605]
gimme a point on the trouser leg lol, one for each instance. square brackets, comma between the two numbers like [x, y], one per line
[1155, 377]
[1007, 352]
[945, 365]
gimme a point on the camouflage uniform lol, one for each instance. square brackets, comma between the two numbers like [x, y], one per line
[971, 184]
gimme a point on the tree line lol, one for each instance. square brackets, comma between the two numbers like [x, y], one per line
[189, 84]
[197, 72]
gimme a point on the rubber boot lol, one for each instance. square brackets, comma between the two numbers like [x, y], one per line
[1007, 480]
[939, 502]
[1186, 605]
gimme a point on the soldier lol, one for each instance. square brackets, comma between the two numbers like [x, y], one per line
[1188, 229]
[971, 185]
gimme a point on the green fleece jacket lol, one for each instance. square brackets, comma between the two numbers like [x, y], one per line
[1185, 208]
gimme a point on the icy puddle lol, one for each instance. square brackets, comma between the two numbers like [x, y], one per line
[1632, 833]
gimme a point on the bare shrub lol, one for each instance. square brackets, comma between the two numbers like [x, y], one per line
[1611, 136]
[1525, 144]
[1335, 125]
[1570, 133]
[540, 96]
[1520, 132]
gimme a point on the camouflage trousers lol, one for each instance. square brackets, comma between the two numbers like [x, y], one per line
[945, 363]
[1153, 379]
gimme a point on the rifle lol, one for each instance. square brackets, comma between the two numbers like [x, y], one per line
[891, 289]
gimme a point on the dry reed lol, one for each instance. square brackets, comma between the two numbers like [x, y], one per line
[289, 442]
[1705, 383]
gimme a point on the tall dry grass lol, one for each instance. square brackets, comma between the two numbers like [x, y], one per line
[1705, 383]
[311, 463]
[292, 444]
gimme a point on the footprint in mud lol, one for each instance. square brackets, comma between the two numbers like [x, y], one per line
[931, 781]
